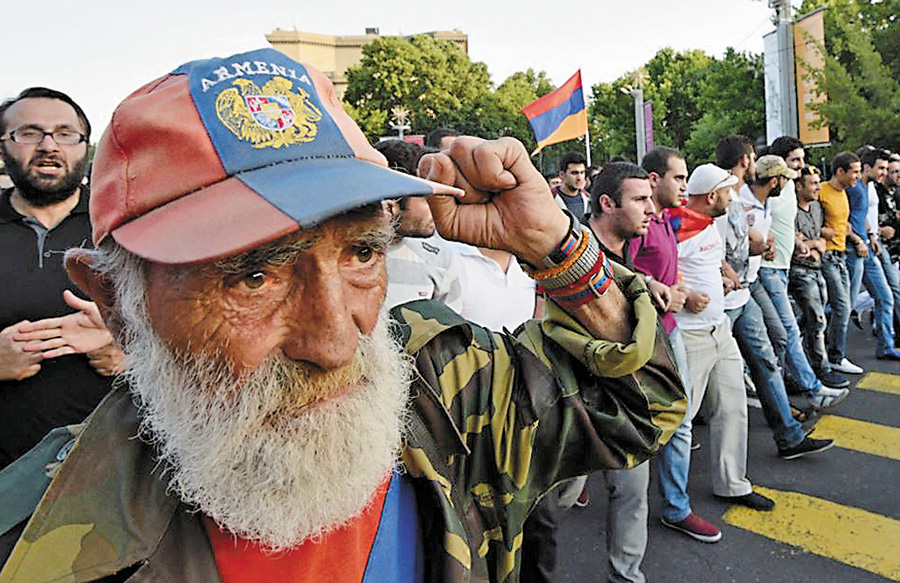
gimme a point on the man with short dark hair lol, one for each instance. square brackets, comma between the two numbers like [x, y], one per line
[771, 292]
[845, 168]
[53, 370]
[656, 255]
[419, 263]
[621, 208]
[737, 155]
[862, 263]
[274, 420]
[749, 328]
[441, 138]
[571, 194]
[807, 284]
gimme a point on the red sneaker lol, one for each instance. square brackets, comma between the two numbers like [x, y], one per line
[696, 527]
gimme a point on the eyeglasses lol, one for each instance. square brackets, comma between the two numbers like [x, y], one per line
[31, 136]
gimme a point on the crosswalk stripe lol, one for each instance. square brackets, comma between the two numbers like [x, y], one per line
[881, 382]
[843, 533]
[871, 438]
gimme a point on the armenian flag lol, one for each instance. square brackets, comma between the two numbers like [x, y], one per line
[558, 116]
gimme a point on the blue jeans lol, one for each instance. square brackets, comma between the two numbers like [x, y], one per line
[868, 271]
[750, 332]
[837, 280]
[808, 288]
[674, 458]
[892, 275]
[775, 282]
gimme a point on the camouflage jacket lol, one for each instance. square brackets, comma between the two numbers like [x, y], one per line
[497, 420]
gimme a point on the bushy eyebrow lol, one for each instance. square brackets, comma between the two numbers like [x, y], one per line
[274, 254]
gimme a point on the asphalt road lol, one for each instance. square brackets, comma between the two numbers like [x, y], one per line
[838, 513]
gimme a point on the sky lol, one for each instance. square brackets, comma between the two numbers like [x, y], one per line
[99, 51]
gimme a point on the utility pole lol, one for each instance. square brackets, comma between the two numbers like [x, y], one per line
[784, 31]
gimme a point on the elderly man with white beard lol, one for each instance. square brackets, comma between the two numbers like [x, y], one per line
[274, 423]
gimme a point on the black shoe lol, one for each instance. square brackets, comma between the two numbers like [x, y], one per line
[752, 500]
[894, 355]
[805, 447]
[854, 316]
[833, 380]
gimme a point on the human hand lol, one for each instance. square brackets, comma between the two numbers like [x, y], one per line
[696, 302]
[861, 249]
[16, 363]
[507, 204]
[107, 361]
[769, 253]
[876, 246]
[827, 233]
[801, 250]
[886, 232]
[79, 332]
[660, 294]
[677, 296]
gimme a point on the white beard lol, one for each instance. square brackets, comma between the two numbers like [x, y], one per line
[261, 455]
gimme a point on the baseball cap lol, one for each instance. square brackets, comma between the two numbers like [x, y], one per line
[224, 154]
[770, 166]
[707, 178]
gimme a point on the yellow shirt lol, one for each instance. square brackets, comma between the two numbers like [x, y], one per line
[836, 212]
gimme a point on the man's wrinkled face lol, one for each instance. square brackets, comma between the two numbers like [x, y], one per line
[308, 301]
[269, 382]
[796, 159]
[574, 177]
[44, 173]
[672, 185]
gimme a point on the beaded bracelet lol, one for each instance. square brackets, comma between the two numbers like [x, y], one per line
[579, 277]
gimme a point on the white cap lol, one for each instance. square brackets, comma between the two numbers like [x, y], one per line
[708, 178]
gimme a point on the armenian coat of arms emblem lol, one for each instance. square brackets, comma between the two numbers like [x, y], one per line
[273, 116]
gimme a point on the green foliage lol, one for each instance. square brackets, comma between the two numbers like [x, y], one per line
[696, 100]
[441, 87]
[860, 81]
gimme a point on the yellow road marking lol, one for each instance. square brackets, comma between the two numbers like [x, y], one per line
[881, 382]
[871, 438]
[843, 533]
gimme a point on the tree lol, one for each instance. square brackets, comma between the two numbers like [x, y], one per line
[863, 105]
[434, 79]
[732, 99]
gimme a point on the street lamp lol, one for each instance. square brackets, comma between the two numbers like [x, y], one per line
[640, 132]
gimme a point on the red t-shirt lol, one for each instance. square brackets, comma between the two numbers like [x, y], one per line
[339, 557]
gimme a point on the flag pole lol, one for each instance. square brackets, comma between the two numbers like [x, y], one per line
[587, 144]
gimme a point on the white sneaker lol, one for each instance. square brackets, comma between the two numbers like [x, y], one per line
[827, 398]
[847, 367]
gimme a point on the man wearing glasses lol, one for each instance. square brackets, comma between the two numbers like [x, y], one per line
[53, 369]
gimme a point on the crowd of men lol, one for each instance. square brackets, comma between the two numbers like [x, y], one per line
[242, 244]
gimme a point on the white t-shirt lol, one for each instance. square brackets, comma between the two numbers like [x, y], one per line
[872, 212]
[759, 218]
[491, 298]
[700, 263]
[783, 209]
[420, 269]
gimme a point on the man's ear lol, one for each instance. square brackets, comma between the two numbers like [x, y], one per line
[80, 267]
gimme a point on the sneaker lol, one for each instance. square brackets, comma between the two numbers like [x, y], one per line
[752, 500]
[890, 355]
[846, 367]
[805, 447]
[696, 527]
[826, 398]
[583, 499]
[834, 380]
